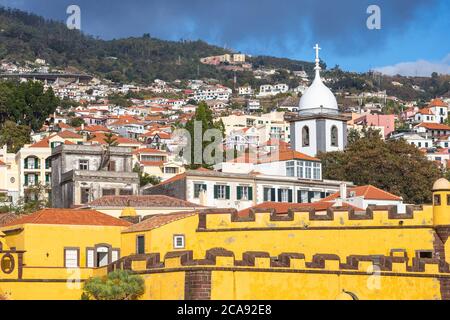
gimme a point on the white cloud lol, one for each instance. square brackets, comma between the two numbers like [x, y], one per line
[421, 68]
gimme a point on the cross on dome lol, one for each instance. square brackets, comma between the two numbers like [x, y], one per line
[317, 48]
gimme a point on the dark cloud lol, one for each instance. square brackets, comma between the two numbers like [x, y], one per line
[279, 27]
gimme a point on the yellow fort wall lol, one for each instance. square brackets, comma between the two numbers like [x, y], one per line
[334, 254]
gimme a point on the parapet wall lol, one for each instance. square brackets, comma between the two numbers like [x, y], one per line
[398, 263]
[257, 275]
[309, 218]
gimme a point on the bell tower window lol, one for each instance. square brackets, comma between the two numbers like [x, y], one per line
[334, 136]
[305, 137]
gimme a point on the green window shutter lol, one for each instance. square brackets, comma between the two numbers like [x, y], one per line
[36, 178]
[250, 193]
[216, 192]
[273, 194]
[36, 163]
[26, 179]
[279, 195]
[25, 163]
[290, 196]
[239, 193]
[228, 192]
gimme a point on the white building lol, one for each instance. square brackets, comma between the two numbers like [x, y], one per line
[253, 105]
[212, 93]
[268, 90]
[246, 91]
[319, 127]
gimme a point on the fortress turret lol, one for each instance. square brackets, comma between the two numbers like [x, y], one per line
[441, 202]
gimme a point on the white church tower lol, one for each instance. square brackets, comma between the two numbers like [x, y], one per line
[319, 127]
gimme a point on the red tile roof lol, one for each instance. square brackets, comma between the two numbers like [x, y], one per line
[438, 103]
[7, 218]
[148, 150]
[426, 111]
[45, 143]
[69, 217]
[152, 163]
[434, 126]
[284, 207]
[157, 221]
[67, 134]
[94, 128]
[368, 192]
[150, 201]
[100, 138]
[283, 154]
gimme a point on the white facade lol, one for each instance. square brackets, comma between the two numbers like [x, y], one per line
[319, 127]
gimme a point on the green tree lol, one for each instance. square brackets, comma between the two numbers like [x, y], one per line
[394, 166]
[110, 140]
[26, 103]
[204, 115]
[117, 285]
[15, 136]
[76, 122]
[145, 178]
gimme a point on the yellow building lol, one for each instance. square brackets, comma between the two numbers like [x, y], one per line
[338, 253]
[51, 251]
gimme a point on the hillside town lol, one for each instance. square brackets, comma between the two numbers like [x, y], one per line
[111, 161]
[143, 122]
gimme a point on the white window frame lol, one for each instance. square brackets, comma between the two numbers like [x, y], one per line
[284, 195]
[308, 170]
[245, 193]
[179, 237]
[85, 162]
[221, 192]
[71, 263]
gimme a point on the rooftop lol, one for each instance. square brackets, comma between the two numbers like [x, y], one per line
[367, 192]
[151, 201]
[154, 222]
[68, 217]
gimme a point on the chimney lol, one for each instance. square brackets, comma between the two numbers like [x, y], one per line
[343, 191]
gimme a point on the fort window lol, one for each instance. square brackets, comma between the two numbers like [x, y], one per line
[115, 255]
[71, 257]
[102, 256]
[140, 244]
[437, 200]
[425, 254]
[178, 242]
[448, 200]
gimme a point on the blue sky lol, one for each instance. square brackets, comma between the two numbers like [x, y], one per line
[414, 38]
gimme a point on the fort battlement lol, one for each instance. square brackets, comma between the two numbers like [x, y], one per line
[309, 218]
[397, 264]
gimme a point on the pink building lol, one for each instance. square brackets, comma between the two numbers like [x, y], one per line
[378, 120]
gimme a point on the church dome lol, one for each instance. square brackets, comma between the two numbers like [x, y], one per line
[441, 184]
[318, 98]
